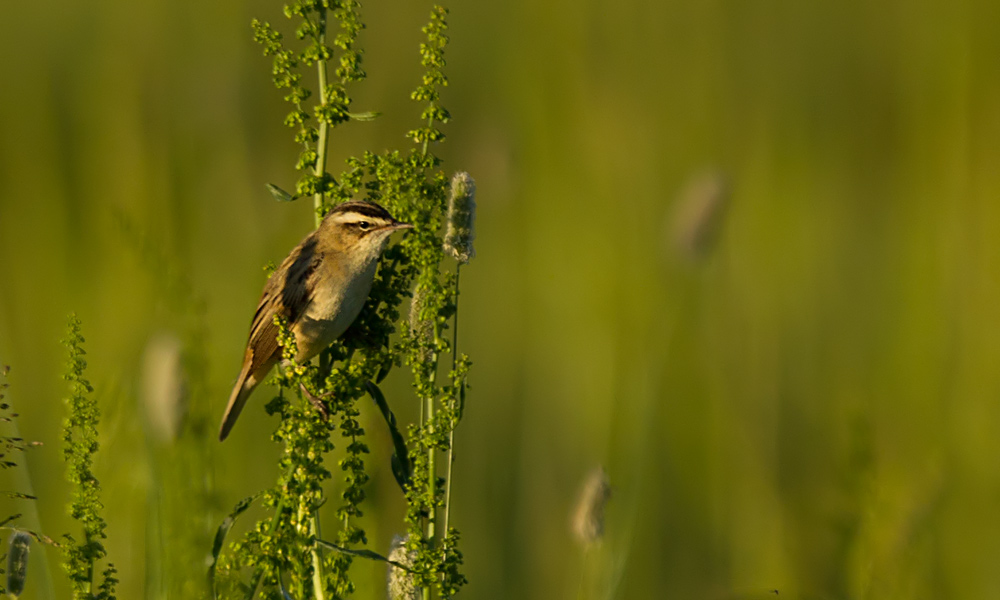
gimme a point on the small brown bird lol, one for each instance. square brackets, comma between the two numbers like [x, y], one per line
[319, 288]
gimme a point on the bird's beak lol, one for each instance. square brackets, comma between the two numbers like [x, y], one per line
[396, 226]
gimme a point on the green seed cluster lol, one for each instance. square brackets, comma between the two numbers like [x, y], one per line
[79, 446]
[432, 58]
[334, 104]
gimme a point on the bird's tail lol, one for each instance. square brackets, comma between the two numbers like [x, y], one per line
[245, 385]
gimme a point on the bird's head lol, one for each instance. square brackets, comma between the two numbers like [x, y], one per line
[361, 228]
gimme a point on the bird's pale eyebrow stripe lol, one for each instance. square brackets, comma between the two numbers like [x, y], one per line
[351, 219]
[362, 208]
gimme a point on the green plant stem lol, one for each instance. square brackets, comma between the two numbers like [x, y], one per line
[447, 483]
[324, 126]
[431, 486]
[317, 558]
[431, 467]
[430, 125]
[451, 431]
[431, 476]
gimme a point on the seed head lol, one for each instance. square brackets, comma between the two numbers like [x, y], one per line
[164, 386]
[17, 562]
[401, 582]
[461, 230]
[588, 518]
[421, 329]
[698, 214]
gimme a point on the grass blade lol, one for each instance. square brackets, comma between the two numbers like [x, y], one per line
[279, 194]
[362, 554]
[223, 531]
[401, 459]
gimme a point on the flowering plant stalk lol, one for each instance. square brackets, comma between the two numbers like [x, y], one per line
[79, 446]
[288, 554]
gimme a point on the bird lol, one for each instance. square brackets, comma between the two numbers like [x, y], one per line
[319, 289]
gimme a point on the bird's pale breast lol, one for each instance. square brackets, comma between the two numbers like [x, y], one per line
[332, 310]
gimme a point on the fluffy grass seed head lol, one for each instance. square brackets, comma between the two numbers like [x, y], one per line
[17, 562]
[697, 216]
[164, 386]
[588, 517]
[402, 585]
[421, 329]
[461, 230]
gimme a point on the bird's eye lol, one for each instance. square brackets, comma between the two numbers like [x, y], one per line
[364, 225]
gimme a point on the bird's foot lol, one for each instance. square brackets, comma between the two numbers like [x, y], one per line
[317, 401]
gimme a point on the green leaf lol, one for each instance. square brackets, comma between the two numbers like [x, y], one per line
[365, 116]
[254, 582]
[401, 470]
[362, 554]
[461, 399]
[17, 495]
[383, 371]
[281, 586]
[279, 194]
[220, 535]
[9, 519]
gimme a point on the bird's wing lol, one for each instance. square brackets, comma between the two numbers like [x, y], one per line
[287, 293]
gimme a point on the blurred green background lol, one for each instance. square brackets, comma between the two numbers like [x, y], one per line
[812, 407]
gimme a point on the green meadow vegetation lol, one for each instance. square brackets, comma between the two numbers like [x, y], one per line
[733, 309]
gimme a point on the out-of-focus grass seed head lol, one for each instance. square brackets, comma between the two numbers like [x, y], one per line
[421, 329]
[164, 386]
[588, 516]
[17, 562]
[697, 215]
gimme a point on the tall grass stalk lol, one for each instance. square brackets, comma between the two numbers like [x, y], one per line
[451, 430]
[458, 242]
